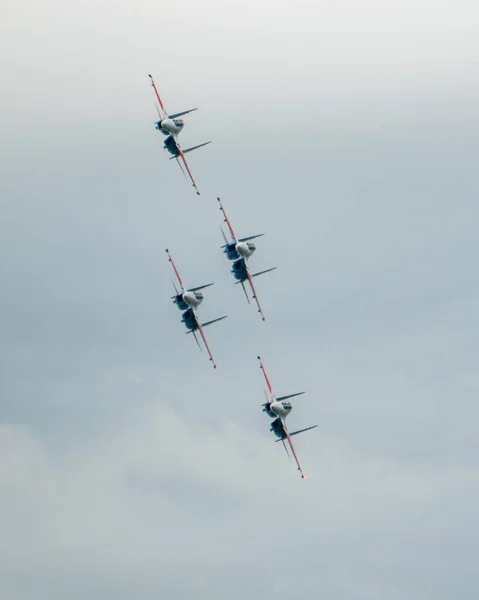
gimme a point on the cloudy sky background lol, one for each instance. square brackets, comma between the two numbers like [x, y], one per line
[346, 131]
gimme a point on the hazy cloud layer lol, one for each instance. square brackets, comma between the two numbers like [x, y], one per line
[348, 133]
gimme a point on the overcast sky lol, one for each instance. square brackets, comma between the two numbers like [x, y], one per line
[348, 132]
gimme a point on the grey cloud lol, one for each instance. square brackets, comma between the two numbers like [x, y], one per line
[130, 468]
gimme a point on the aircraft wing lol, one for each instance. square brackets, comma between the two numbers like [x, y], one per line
[255, 297]
[227, 221]
[176, 271]
[288, 437]
[200, 329]
[181, 158]
[261, 366]
[163, 113]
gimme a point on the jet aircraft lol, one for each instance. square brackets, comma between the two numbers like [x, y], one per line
[278, 409]
[239, 250]
[171, 126]
[188, 300]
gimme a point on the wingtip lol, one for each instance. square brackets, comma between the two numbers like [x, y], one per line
[303, 477]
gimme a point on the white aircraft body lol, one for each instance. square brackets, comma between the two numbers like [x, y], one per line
[171, 126]
[278, 409]
[188, 300]
[240, 250]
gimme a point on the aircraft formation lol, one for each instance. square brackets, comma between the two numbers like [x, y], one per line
[238, 250]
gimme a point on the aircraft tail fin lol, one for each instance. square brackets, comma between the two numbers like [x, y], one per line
[180, 114]
[250, 237]
[243, 239]
[263, 272]
[259, 273]
[192, 148]
[196, 147]
[290, 396]
[200, 287]
[299, 431]
[213, 321]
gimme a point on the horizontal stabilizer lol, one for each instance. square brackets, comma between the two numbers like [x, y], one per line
[263, 272]
[250, 237]
[213, 321]
[180, 114]
[200, 287]
[299, 431]
[290, 396]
